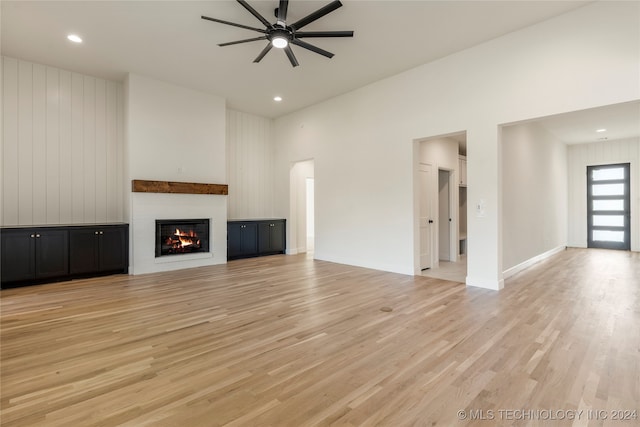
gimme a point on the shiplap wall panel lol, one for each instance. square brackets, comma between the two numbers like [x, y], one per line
[39, 120]
[89, 146]
[101, 151]
[111, 151]
[77, 149]
[52, 144]
[10, 141]
[62, 146]
[607, 152]
[249, 166]
[120, 184]
[25, 143]
[66, 152]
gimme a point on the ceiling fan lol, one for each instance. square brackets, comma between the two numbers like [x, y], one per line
[282, 36]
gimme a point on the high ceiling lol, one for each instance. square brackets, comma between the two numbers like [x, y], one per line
[167, 40]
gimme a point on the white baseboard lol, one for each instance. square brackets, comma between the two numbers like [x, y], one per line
[531, 261]
[494, 285]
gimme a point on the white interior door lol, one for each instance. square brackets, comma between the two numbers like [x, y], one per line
[444, 216]
[426, 221]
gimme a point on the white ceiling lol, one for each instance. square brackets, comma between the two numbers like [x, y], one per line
[167, 40]
[620, 121]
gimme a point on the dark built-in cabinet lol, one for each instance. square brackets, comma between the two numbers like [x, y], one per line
[251, 238]
[33, 255]
[97, 249]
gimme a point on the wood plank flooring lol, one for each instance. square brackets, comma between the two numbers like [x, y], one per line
[289, 341]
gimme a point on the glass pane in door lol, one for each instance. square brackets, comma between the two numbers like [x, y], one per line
[608, 189]
[608, 174]
[609, 220]
[608, 236]
[608, 205]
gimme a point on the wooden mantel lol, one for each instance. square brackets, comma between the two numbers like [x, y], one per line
[143, 186]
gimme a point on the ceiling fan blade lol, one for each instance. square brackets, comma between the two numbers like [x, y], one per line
[254, 13]
[260, 30]
[291, 56]
[243, 41]
[303, 34]
[263, 53]
[316, 15]
[312, 48]
[282, 10]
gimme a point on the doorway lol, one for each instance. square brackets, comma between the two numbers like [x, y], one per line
[444, 215]
[301, 227]
[310, 200]
[426, 218]
[608, 207]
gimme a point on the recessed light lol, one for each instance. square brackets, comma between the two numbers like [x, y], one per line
[277, 98]
[74, 38]
[601, 130]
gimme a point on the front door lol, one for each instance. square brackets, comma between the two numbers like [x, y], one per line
[608, 207]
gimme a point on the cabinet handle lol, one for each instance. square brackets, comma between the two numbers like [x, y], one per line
[37, 236]
[96, 233]
[101, 232]
[33, 235]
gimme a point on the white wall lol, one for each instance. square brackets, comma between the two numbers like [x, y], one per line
[362, 142]
[174, 134]
[249, 165]
[62, 146]
[534, 193]
[598, 153]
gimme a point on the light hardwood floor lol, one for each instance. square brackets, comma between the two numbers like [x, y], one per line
[288, 341]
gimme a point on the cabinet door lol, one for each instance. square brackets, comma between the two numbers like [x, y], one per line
[83, 250]
[250, 239]
[234, 240]
[264, 237]
[18, 255]
[242, 239]
[277, 236]
[271, 237]
[113, 249]
[462, 166]
[52, 253]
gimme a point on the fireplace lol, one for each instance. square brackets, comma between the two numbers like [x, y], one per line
[181, 236]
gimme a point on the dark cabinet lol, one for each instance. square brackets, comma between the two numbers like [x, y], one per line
[98, 249]
[242, 239]
[250, 238]
[31, 254]
[39, 254]
[271, 237]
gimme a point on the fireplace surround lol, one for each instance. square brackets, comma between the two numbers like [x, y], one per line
[182, 236]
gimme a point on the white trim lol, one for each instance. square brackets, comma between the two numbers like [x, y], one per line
[531, 261]
[494, 285]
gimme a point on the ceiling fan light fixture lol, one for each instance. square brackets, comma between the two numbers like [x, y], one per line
[279, 39]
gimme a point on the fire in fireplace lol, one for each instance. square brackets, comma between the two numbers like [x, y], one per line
[181, 236]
